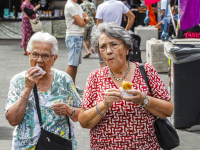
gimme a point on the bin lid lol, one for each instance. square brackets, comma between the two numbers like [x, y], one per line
[182, 51]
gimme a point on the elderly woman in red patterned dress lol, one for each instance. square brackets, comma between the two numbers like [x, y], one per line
[29, 12]
[118, 122]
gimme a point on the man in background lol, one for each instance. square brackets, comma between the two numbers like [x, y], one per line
[112, 11]
[45, 4]
[76, 19]
[90, 9]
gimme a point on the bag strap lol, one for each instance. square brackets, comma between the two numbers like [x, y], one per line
[144, 75]
[91, 11]
[37, 104]
[39, 112]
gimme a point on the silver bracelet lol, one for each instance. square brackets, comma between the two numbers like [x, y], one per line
[99, 111]
[22, 101]
[24, 97]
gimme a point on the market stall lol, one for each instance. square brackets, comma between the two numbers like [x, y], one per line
[53, 21]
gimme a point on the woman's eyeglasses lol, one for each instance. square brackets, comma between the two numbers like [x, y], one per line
[112, 45]
[45, 57]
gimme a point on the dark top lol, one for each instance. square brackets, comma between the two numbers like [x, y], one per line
[44, 4]
[29, 12]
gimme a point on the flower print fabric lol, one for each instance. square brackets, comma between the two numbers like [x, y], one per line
[125, 125]
[86, 10]
[26, 134]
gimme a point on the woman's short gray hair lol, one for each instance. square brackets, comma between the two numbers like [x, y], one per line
[43, 37]
[112, 30]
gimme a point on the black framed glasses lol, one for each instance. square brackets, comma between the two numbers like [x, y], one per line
[112, 45]
[45, 57]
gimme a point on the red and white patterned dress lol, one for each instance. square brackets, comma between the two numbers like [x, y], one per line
[125, 125]
[26, 25]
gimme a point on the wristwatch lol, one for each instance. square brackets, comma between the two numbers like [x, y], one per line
[73, 112]
[145, 101]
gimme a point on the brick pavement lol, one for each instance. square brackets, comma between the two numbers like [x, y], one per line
[12, 61]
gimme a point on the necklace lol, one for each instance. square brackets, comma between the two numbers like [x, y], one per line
[119, 79]
[44, 82]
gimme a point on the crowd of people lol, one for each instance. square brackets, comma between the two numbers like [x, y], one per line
[115, 120]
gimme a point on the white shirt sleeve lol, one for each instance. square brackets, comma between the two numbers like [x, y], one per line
[72, 11]
[99, 14]
[125, 9]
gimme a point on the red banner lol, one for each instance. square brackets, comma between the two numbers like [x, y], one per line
[149, 2]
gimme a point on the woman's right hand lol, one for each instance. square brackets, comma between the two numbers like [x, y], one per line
[32, 76]
[111, 96]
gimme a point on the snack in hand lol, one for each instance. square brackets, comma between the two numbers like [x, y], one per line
[126, 85]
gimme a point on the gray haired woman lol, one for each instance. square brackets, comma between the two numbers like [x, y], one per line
[58, 98]
[117, 121]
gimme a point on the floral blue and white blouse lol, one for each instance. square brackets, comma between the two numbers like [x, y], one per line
[26, 134]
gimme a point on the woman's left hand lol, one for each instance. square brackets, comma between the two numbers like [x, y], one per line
[137, 98]
[62, 109]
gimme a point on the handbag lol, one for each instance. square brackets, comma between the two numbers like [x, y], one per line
[48, 140]
[165, 131]
[36, 24]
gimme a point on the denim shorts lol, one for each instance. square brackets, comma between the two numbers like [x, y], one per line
[74, 46]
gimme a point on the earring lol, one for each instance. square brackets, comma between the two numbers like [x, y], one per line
[126, 52]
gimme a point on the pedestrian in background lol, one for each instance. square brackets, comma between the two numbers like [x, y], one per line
[112, 11]
[29, 12]
[45, 4]
[76, 19]
[58, 99]
[116, 121]
[90, 9]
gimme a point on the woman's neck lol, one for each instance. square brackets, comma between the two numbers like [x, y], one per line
[121, 71]
[45, 82]
[45, 77]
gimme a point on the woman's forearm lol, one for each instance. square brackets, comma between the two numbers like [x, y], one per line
[159, 108]
[16, 112]
[90, 118]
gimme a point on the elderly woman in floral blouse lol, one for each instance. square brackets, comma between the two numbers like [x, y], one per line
[58, 98]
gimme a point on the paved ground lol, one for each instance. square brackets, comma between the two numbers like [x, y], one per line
[12, 61]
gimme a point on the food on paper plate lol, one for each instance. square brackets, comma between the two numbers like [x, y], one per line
[126, 85]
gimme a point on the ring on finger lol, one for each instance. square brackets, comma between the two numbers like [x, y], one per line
[33, 75]
[60, 112]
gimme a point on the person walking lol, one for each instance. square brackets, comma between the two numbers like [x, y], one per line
[59, 102]
[29, 12]
[106, 12]
[116, 121]
[90, 9]
[76, 19]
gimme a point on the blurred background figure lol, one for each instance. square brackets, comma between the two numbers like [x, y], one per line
[29, 12]
[76, 19]
[90, 9]
[45, 4]
[112, 11]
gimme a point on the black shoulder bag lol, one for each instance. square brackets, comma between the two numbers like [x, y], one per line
[165, 131]
[48, 140]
